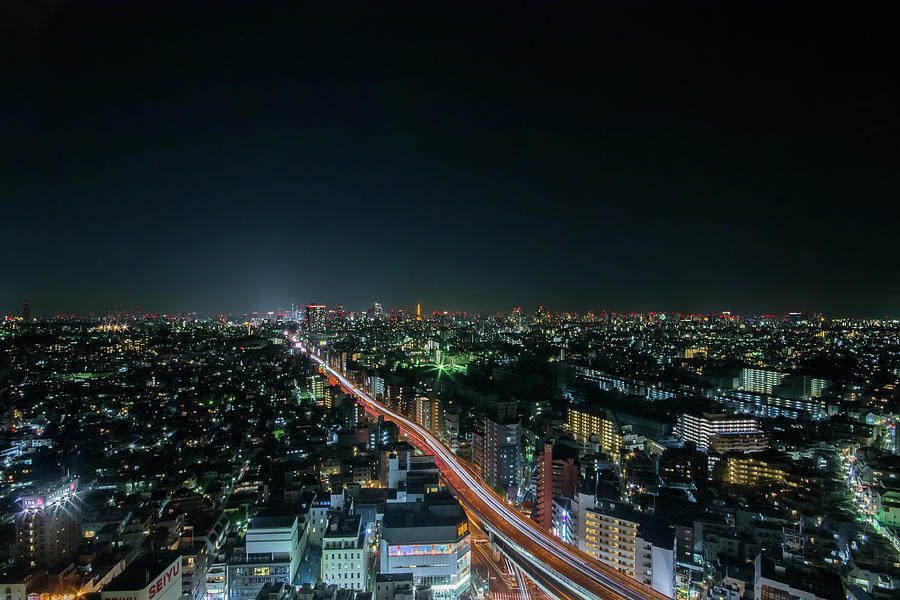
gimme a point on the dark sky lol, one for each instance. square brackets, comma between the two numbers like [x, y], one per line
[231, 157]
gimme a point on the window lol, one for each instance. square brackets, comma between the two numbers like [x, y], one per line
[261, 570]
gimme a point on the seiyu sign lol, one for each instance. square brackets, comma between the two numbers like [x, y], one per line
[166, 586]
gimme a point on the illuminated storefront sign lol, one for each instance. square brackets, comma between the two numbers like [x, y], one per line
[426, 549]
[53, 497]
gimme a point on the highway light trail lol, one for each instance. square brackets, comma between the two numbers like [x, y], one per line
[556, 556]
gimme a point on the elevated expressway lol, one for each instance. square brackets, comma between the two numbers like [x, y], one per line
[574, 573]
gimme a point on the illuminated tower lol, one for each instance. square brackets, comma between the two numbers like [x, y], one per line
[48, 529]
[418, 312]
[516, 318]
[26, 311]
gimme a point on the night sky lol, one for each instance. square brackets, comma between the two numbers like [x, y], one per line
[231, 157]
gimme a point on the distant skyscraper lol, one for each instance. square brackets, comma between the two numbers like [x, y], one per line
[515, 318]
[315, 318]
[377, 311]
[26, 311]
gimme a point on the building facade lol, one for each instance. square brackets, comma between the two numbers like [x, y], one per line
[587, 426]
[640, 546]
[345, 557]
[48, 528]
[272, 555]
[699, 429]
[429, 539]
[557, 475]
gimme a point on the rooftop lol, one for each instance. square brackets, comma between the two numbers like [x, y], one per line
[142, 571]
[821, 582]
[272, 521]
[438, 510]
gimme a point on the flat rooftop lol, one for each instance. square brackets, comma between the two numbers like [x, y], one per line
[142, 571]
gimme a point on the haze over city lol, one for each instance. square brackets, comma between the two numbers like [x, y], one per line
[184, 157]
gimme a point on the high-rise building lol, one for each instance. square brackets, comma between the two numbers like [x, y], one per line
[562, 525]
[319, 390]
[800, 387]
[754, 469]
[760, 380]
[515, 319]
[26, 312]
[421, 413]
[641, 546]
[315, 318]
[699, 429]
[557, 476]
[48, 529]
[427, 413]
[450, 433]
[382, 434]
[599, 427]
[738, 441]
[501, 454]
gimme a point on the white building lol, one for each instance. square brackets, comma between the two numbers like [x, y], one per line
[149, 577]
[429, 539]
[271, 555]
[345, 554]
[700, 428]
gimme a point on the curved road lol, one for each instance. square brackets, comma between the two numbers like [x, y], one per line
[563, 562]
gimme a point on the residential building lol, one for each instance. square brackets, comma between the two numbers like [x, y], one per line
[345, 557]
[501, 452]
[599, 427]
[700, 428]
[760, 380]
[641, 546]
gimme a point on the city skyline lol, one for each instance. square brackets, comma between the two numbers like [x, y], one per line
[298, 309]
[668, 159]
